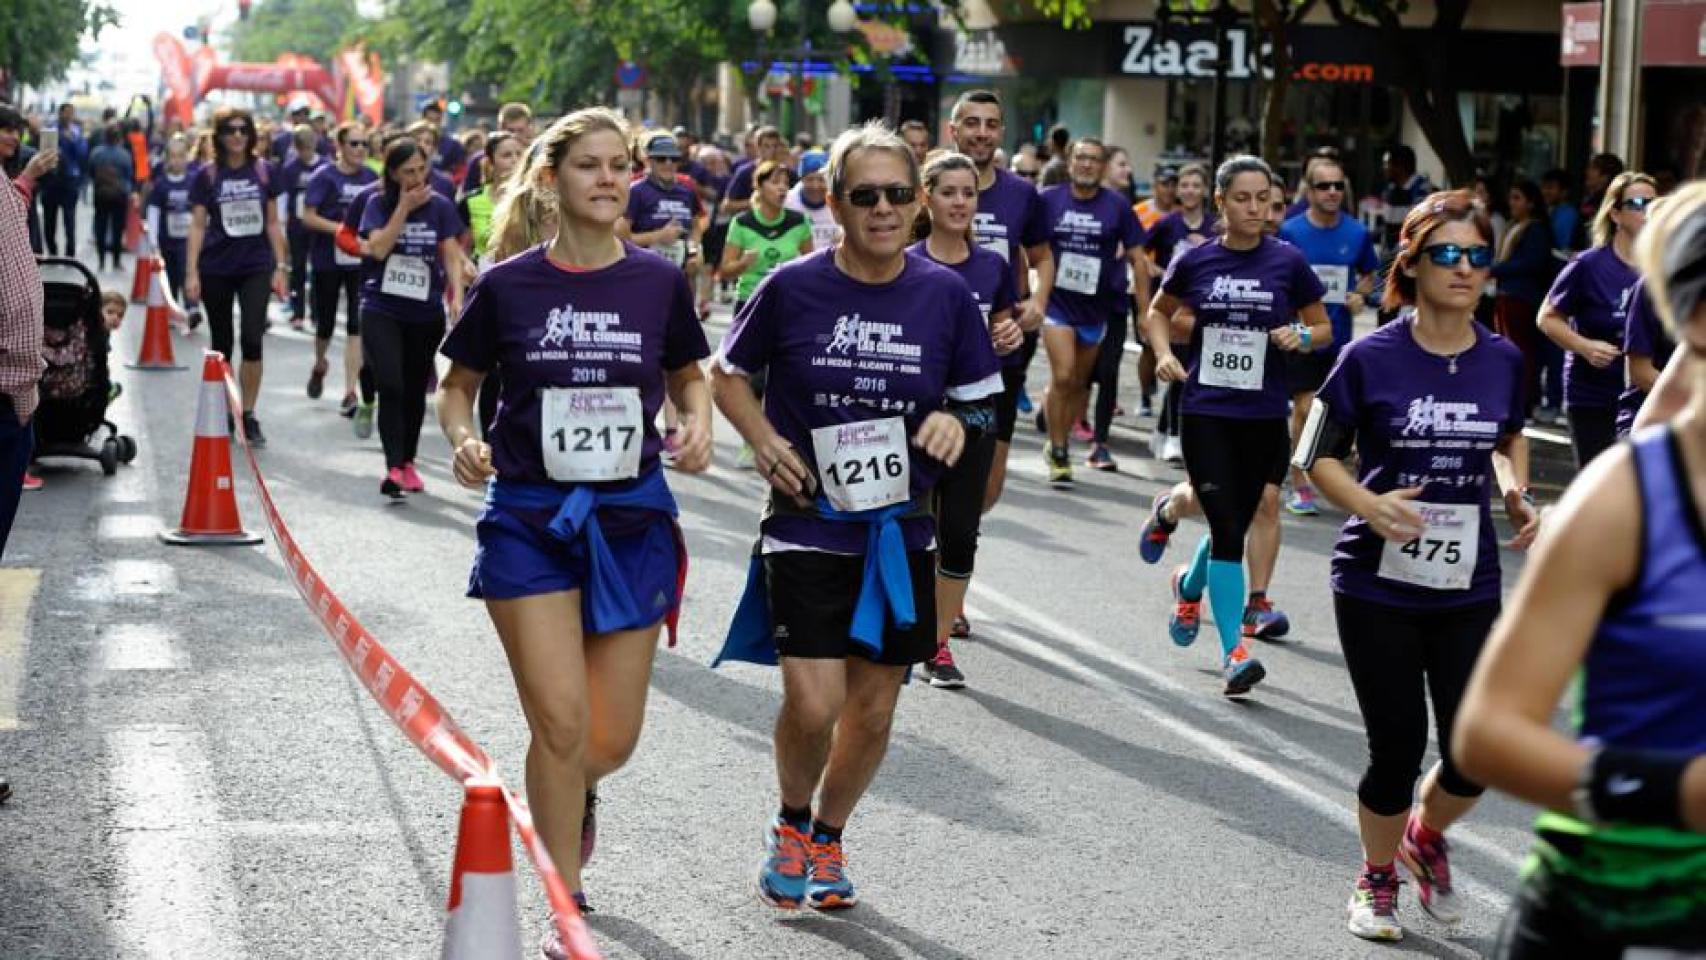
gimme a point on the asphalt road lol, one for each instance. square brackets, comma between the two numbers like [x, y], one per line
[198, 776]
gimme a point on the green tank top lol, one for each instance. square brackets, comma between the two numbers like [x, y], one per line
[777, 241]
[480, 207]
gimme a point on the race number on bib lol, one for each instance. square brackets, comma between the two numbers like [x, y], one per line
[408, 277]
[178, 224]
[675, 253]
[1233, 357]
[241, 218]
[591, 434]
[863, 466]
[1079, 273]
[1337, 279]
[824, 235]
[1443, 557]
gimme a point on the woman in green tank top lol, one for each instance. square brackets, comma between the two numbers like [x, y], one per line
[765, 237]
[503, 155]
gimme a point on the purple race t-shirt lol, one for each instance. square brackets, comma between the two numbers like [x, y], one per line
[1087, 238]
[1419, 424]
[235, 243]
[840, 351]
[328, 194]
[171, 196]
[296, 174]
[537, 325]
[1173, 235]
[650, 206]
[1645, 336]
[409, 284]
[1009, 218]
[1238, 296]
[984, 272]
[1594, 290]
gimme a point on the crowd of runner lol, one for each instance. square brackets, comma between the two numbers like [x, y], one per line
[889, 297]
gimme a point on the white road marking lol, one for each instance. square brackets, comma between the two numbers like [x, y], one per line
[128, 526]
[18, 586]
[140, 646]
[175, 895]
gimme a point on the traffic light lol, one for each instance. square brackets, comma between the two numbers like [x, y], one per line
[454, 108]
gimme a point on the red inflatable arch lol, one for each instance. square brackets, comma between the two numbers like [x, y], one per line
[353, 87]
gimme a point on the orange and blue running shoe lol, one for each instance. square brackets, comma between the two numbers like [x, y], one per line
[829, 888]
[782, 881]
[1152, 540]
[1186, 620]
[1264, 621]
[1243, 671]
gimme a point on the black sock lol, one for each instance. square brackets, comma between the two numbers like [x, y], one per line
[821, 829]
[1256, 595]
[799, 818]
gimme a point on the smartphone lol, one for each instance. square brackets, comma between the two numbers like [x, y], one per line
[50, 140]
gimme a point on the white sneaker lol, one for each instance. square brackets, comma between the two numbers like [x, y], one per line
[1173, 451]
[1157, 442]
[1372, 912]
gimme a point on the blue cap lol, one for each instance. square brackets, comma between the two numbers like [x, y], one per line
[812, 161]
[663, 147]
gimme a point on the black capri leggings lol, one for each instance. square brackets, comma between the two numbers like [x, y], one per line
[1107, 373]
[328, 284]
[1592, 431]
[1229, 462]
[400, 354]
[1397, 658]
[250, 292]
[299, 274]
[959, 508]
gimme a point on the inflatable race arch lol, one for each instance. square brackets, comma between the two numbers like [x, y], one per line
[353, 87]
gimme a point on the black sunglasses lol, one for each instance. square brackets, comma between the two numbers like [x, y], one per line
[236, 128]
[1448, 254]
[897, 195]
[1637, 204]
[1335, 185]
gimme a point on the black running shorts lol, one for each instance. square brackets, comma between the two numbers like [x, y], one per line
[812, 598]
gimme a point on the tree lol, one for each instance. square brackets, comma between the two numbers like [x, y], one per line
[1275, 18]
[313, 28]
[41, 37]
[1422, 70]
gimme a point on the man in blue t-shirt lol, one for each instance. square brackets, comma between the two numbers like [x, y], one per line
[1342, 254]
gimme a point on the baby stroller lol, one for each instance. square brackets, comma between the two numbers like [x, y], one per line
[76, 386]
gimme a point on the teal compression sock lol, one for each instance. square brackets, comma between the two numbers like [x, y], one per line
[1226, 599]
[1196, 575]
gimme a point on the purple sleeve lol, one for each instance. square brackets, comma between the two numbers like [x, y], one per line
[1035, 230]
[633, 213]
[1177, 279]
[373, 216]
[975, 372]
[1342, 390]
[201, 191]
[1306, 287]
[1006, 294]
[684, 338]
[741, 187]
[357, 210]
[318, 190]
[1518, 408]
[1638, 328]
[1565, 293]
[1132, 234]
[472, 342]
[747, 345]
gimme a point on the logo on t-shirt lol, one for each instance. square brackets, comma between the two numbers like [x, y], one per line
[1623, 300]
[565, 325]
[868, 338]
[1073, 221]
[1439, 418]
[1239, 291]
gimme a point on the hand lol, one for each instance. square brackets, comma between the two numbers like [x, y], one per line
[1286, 338]
[1524, 518]
[455, 307]
[1006, 336]
[1355, 302]
[41, 163]
[693, 444]
[1168, 369]
[1394, 518]
[669, 233]
[472, 463]
[192, 288]
[785, 470]
[942, 437]
[281, 284]
[416, 198]
[1601, 354]
[1031, 315]
[469, 270]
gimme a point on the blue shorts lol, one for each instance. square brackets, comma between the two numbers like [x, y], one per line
[1089, 336]
[517, 557]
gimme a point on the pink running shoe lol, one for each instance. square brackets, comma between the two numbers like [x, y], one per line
[412, 481]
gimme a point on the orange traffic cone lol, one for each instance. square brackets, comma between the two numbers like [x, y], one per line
[132, 228]
[210, 505]
[156, 351]
[482, 921]
[145, 269]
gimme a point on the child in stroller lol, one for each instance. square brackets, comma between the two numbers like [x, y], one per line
[76, 385]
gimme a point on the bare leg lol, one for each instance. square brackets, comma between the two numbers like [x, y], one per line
[950, 599]
[618, 674]
[1300, 403]
[813, 692]
[352, 364]
[1262, 543]
[1440, 808]
[249, 376]
[861, 738]
[1380, 835]
[1060, 400]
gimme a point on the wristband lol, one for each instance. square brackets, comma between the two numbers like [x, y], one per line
[1304, 335]
[1633, 786]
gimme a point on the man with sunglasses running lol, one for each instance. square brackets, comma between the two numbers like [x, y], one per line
[880, 371]
[664, 212]
[1341, 252]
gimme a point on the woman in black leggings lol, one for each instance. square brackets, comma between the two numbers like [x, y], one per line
[1434, 407]
[411, 233]
[236, 251]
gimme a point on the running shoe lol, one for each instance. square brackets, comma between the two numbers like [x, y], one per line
[32, 482]
[362, 422]
[961, 630]
[1263, 621]
[252, 429]
[1059, 467]
[392, 485]
[1173, 451]
[317, 379]
[194, 318]
[941, 672]
[296, 323]
[1082, 433]
[1243, 671]
[829, 888]
[412, 482]
[782, 880]
[347, 407]
[551, 948]
[1430, 864]
[1024, 402]
[1152, 540]
[1101, 459]
[1186, 618]
[589, 827]
[1373, 909]
[1148, 408]
[1302, 501]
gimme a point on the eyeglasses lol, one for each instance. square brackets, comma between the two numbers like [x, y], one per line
[1337, 186]
[1448, 254]
[1637, 204]
[897, 195]
[236, 128]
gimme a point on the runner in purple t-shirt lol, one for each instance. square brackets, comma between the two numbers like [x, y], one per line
[1433, 408]
[304, 160]
[1647, 348]
[880, 370]
[950, 192]
[664, 213]
[588, 334]
[337, 273]
[1251, 298]
[1190, 223]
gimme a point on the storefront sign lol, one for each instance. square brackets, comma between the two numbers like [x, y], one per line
[981, 52]
[1148, 55]
[1673, 33]
[1581, 35]
[1190, 52]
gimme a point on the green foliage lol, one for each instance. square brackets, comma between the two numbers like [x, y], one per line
[39, 38]
[313, 28]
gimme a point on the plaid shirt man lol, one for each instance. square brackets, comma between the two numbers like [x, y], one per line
[20, 303]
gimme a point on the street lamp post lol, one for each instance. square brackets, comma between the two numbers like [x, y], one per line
[1223, 16]
[761, 15]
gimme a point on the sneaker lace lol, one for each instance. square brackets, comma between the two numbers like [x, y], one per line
[828, 862]
[1238, 655]
[1259, 607]
[1434, 858]
[1187, 612]
[1381, 892]
[792, 849]
[943, 658]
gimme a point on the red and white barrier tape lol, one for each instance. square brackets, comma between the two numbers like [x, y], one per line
[409, 704]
